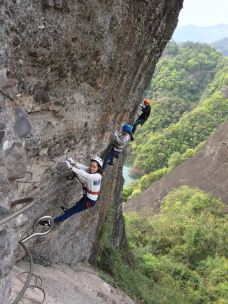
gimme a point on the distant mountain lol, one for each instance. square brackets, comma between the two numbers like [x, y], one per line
[221, 46]
[195, 33]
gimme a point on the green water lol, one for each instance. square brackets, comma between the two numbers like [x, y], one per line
[127, 178]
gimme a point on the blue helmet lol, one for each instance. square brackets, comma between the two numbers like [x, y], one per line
[127, 128]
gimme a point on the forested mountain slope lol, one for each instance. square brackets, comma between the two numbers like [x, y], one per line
[182, 252]
[208, 170]
[180, 78]
[182, 117]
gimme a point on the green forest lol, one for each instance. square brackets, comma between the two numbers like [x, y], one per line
[188, 104]
[178, 256]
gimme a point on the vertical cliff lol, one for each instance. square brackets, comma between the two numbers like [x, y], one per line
[70, 72]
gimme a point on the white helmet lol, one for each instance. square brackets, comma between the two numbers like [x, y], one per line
[97, 159]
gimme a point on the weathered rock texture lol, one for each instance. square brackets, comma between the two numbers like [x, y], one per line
[70, 72]
[64, 285]
[208, 170]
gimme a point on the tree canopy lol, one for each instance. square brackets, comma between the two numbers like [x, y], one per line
[182, 117]
[183, 250]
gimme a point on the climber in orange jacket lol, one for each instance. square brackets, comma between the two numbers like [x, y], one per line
[144, 115]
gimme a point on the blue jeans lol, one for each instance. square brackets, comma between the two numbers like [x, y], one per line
[139, 121]
[83, 204]
[109, 158]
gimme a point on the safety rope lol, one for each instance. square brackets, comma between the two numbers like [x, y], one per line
[31, 264]
[26, 284]
[31, 275]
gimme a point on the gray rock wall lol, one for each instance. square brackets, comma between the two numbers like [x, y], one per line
[79, 284]
[70, 72]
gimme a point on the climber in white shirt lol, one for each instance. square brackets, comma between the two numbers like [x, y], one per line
[90, 177]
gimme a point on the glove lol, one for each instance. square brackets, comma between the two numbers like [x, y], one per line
[70, 160]
[69, 166]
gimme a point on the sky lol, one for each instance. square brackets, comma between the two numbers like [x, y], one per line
[204, 12]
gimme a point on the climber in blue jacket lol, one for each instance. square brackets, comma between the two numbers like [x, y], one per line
[90, 177]
[120, 141]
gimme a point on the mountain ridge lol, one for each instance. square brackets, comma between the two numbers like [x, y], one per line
[207, 34]
[221, 46]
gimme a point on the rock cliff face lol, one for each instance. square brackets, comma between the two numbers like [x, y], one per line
[79, 284]
[70, 72]
[208, 170]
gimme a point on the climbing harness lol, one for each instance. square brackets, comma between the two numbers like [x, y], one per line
[30, 272]
[91, 192]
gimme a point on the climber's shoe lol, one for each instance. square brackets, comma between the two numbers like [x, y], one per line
[64, 209]
[111, 164]
[45, 223]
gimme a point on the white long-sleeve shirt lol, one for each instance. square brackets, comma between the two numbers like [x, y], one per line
[91, 181]
[120, 141]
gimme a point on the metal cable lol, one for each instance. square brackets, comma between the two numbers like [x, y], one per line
[41, 289]
[16, 213]
[36, 278]
[30, 272]
[26, 284]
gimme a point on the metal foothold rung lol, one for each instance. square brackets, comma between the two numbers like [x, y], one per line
[46, 217]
